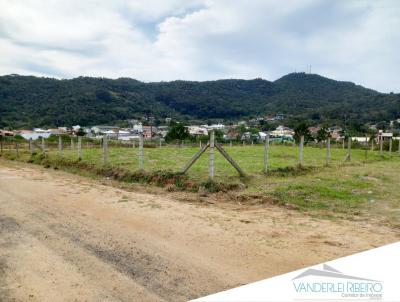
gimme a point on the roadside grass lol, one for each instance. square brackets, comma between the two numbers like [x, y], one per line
[367, 185]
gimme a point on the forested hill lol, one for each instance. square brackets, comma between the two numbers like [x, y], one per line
[27, 101]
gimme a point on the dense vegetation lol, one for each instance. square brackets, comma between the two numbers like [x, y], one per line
[27, 101]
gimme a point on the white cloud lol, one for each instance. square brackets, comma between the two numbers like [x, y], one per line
[156, 40]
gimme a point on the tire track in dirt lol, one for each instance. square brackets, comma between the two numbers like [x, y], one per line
[66, 238]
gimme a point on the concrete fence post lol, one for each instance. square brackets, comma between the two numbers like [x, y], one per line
[381, 146]
[79, 147]
[160, 142]
[30, 145]
[200, 144]
[43, 144]
[372, 144]
[105, 150]
[398, 146]
[17, 148]
[301, 145]
[72, 143]
[59, 143]
[266, 151]
[390, 147]
[230, 143]
[141, 153]
[212, 155]
[349, 149]
[328, 150]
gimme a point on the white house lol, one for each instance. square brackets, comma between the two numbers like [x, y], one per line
[197, 130]
[103, 129]
[282, 131]
[138, 128]
[35, 134]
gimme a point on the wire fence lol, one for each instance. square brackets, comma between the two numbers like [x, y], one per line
[157, 155]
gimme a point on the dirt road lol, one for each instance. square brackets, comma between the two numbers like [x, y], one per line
[69, 238]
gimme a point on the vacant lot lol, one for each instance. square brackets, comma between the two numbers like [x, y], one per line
[364, 188]
[64, 237]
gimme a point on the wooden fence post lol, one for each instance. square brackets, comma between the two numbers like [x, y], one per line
[1, 143]
[381, 146]
[105, 149]
[212, 155]
[343, 142]
[266, 151]
[79, 147]
[72, 143]
[160, 142]
[366, 148]
[390, 147]
[59, 143]
[328, 150]
[301, 145]
[141, 154]
[372, 144]
[30, 145]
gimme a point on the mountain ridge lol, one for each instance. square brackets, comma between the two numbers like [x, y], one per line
[28, 101]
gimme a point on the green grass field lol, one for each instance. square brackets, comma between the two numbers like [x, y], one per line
[365, 185]
[250, 158]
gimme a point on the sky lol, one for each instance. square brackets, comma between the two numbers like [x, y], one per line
[164, 40]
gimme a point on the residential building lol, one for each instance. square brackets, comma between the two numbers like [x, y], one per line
[197, 130]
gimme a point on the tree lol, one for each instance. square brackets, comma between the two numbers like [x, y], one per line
[265, 126]
[80, 132]
[302, 130]
[177, 131]
[322, 134]
[241, 129]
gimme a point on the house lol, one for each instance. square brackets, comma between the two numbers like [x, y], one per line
[360, 139]
[282, 131]
[314, 130]
[384, 136]
[262, 135]
[138, 128]
[149, 131]
[103, 129]
[35, 134]
[54, 131]
[6, 133]
[162, 131]
[336, 132]
[214, 127]
[197, 130]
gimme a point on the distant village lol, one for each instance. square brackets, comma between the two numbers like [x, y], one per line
[242, 131]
